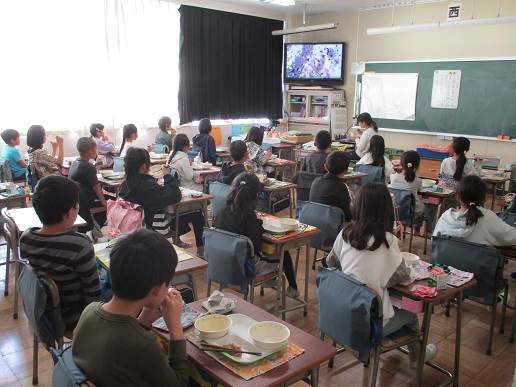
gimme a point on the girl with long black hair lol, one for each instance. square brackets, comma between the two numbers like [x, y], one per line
[455, 167]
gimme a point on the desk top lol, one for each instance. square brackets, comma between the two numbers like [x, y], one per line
[438, 194]
[26, 218]
[316, 352]
[214, 169]
[5, 199]
[354, 175]
[278, 188]
[441, 294]
[283, 145]
[283, 163]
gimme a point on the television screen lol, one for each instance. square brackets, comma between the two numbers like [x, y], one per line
[314, 63]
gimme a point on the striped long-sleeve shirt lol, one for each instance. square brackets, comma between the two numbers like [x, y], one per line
[69, 259]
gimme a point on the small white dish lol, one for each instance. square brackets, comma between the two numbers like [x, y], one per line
[269, 334]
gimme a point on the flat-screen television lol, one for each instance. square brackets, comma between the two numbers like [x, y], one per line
[314, 63]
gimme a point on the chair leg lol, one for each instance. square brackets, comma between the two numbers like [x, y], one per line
[7, 264]
[298, 251]
[447, 313]
[511, 338]
[35, 361]
[251, 295]
[208, 290]
[376, 364]
[426, 236]
[504, 308]
[332, 360]
[411, 236]
[16, 275]
[491, 328]
[283, 297]
[315, 259]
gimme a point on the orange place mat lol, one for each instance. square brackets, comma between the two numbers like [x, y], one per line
[260, 367]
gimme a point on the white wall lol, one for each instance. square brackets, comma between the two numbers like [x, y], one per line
[473, 42]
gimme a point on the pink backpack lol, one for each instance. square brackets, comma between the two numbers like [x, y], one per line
[124, 216]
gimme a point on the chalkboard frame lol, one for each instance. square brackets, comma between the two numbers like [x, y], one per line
[487, 101]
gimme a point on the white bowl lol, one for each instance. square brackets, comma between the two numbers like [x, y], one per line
[106, 173]
[288, 223]
[427, 183]
[410, 259]
[213, 326]
[269, 334]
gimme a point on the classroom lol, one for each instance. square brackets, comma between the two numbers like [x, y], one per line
[466, 359]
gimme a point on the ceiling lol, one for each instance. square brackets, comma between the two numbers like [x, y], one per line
[321, 6]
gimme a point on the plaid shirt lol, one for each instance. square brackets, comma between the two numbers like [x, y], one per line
[43, 163]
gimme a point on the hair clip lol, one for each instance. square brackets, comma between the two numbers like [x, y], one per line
[472, 204]
[409, 165]
[242, 183]
[465, 152]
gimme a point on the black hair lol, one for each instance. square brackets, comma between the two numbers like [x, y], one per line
[95, 128]
[472, 192]
[243, 194]
[140, 261]
[410, 157]
[164, 122]
[255, 135]
[377, 150]
[53, 197]
[368, 120]
[9, 134]
[181, 141]
[35, 137]
[460, 146]
[133, 160]
[237, 150]
[337, 162]
[85, 144]
[373, 216]
[205, 126]
[322, 139]
[128, 131]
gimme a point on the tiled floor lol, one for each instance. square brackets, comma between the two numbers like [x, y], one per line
[477, 369]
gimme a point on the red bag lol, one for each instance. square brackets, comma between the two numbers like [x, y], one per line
[124, 216]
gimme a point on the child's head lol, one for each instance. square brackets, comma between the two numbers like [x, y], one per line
[377, 150]
[337, 162]
[373, 216]
[164, 123]
[460, 147]
[87, 147]
[11, 137]
[128, 132]
[237, 150]
[139, 262]
[322, 140]
[244, 194]
[367, 120]
[255, 135]
[471, 193]
[204, 126]
[181, 144]
[410, 163]
[36, 137]
[53, 199]
[134, 159]
[96, 129]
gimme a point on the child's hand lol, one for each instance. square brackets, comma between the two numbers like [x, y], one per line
[105, 138]
[59, 140]
[165, 169]
[171, 309]
[148, 316]
[149, 148]
[55, 145]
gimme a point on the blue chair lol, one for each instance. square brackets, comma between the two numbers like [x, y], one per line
[66, 373]
[304, 182]
[192, 155]
[509, 218]
[159, 148]
[118, 164]
[220, 193]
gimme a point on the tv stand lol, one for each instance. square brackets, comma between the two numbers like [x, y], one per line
[310, 88]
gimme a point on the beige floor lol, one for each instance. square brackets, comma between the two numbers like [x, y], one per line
[477, 369]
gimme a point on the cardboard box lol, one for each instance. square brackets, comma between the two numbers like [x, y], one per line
[438, 278]
[268, 248]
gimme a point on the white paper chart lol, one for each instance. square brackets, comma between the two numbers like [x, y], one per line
[446, 89]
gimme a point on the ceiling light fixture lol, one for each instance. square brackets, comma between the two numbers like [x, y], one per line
[304, 27]
[284, 3]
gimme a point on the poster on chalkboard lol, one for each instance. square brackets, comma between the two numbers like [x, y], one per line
[446, 89]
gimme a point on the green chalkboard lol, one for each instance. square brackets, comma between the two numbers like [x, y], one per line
[487, 99]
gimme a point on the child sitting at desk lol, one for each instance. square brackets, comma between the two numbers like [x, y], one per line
[12, 155]
[178, 160]
[113, 344]
[166, 132]
[205, 143]
[59, 252]
[238, 216]
[257, 156]
[314, 161]
[330, 189]
[105, 146]
[233, 168]
[129, 135]
[91, 196]
[368, 251]
[376, 156]
[455, 167]
[43, 164]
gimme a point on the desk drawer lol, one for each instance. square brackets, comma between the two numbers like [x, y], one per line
[429, 168]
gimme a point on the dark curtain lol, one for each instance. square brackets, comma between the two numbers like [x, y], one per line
[230, 66]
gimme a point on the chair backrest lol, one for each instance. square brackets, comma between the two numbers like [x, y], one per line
[118, 164]
[226, 254]
[66, 373]
[11, 231]
[485, 262]
[192, 154]
[349, 312]
[124, 216]
[5, 170]
[326, 218]
[220, 193]
[374, 174]
[509, 218]
[40, 300]
[32, 176]
[404, 202]
[159, 148]
[304, 182]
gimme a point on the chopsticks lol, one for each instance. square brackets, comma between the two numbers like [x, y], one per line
[216, 348]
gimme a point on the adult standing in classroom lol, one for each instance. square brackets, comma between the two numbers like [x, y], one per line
[368, 129]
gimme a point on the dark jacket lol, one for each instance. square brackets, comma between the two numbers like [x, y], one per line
[206, 144]
[152, 196]
[251, 226]
[229, 171]
[314, 162]
[331, 190]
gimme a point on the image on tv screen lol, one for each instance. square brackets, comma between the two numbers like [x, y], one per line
[314, 61]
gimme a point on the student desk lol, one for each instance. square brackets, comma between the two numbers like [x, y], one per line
[443, 295]
[283, 146]
[108, 183]
[305, 365]
[281, 166]
[185, 270]
[25, 218]
[275, 188]
[205, 176]
[14, 201]
[446, 199]
[495, 182]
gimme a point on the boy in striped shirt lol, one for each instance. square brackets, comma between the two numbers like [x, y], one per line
[60, 252]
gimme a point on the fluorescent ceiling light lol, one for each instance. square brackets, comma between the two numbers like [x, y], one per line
[395, 29]
[285, 3]
[299, 30]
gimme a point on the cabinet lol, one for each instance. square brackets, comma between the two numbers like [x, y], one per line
[428, 168]
[313, 110]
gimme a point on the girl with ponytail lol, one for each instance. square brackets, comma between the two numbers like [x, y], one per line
[129, 135]
[238, 216]
[407, 179]
[376, 156]
[368, 128]
[178, 159]
[455, 167]
[105, 146]
[472, 221]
